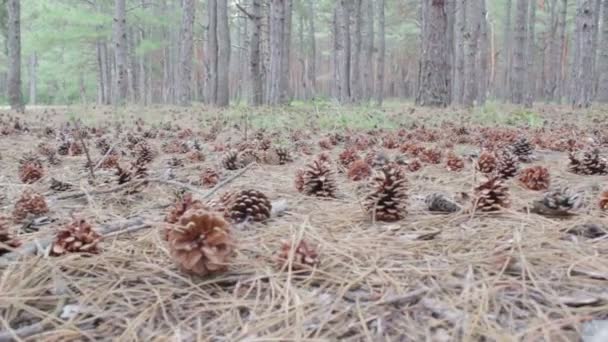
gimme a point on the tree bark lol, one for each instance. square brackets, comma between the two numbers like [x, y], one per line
[519, 53]
[483, 55]
[459, 40]
[312, 59]
[530, 57]
[284, 94]
[381, 54]
[471, 49]
[368, 48]
[562, 48]
[277, 25]
[14, 55]
[582, 83]
[184, 80]
[120, 49]
[223, 54]
[507, 51]
[356, 85]
[211, 63]
[343, 51]
[255, 67]
[602, 94]
[434, 77]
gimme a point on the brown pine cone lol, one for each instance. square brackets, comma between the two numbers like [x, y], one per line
[30, 169]
[348, 157]
[387, 199]
[201, 244]
[454, 162]
[491, 195]
[486, 162]
[305, 256]
[317, 179]
[359, 170]
[6, 239]
[209, 178]
[604, 200]
[77, 237]
[535, 178]
[30, 202]
[430, 156]
[249, 204]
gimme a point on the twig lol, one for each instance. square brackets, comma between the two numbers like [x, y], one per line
[101, 192]
[86, 152]
[249, 15]
[106, 155]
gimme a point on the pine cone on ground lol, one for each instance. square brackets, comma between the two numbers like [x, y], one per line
[30, 169]
[143, 153]
[413, 165]
[591, 163]
[603, 203]
[359, 170]
[377, 159]
[196, 156]
[284, 155]
[387, 199]
[63, 148]
[77, 237]
[175, 162]
[305, 256]
[57, 185]
[411, 149]
[249, 204]
[507, 165]
[136, 171]
[326, 144]
[486, 162]
[454, 162]
[317, 179]
[559, 202]
[523, 149]
[30, 202]
[182, 205]
[535, 178]
[45, 149]
[52, 159]
[102, 145]
[430, 156]
[209, 178]
[75, 149]
[230, 160]
[248, 156]
[6, 239]
[201, 244]
[491, 195]
[348, 157]
[110, 162]
[390, 142]
[440, 203]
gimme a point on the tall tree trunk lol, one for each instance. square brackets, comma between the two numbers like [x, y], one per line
[470, 57]
[343, 50]
[211, 63]
[507, 56]
[284, 94]
[530, 57]
[381, 54]
[277, 21]
[434, 82]
[596, 25]
[14, 55]
[553, 54]
[33, 78]
[120, 49]
[582, 82]
[255, 67]
[356, 85]
[483, 55]
[184, 80]
[602, 93]
[312, 59]
[223, 54]
[368, 50]
[519, 53]
[101, 75]
[563, 47]
[459, 48]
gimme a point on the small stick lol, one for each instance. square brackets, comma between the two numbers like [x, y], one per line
[106, 155]
[86, 152]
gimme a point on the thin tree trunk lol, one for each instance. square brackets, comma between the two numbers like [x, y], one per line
[14, 55]
[434, 82]
[563, 46]
[582, 82]
[101, 75]
[368, 48]
[343, 51]
[212, 58]
[284, 94]
[519, 53]
[530, 57]
[602, 94]
[184, 80]
[507, 51]
[381, 54]
[471, 49]
[459, 40]
[223, 54]
[356, 80]
[277, 21]
[553, 53]
[257, 80]
[312, 59]
[483, 56]
[120, 48]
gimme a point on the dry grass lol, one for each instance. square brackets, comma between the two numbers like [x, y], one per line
[511, 276]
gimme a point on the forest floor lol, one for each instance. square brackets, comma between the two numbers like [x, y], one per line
[512, 275]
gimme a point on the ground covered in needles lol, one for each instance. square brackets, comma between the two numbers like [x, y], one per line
[310, 222]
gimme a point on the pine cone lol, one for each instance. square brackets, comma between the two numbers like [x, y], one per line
[59, 185]
[413, 165]
[175, 162]
[102, 145]
[249, 204]
[535, 178]
[248, 156]
[30, 169]
[143, 153]
[30, 202]
[209, 178]
[196, 156]
[230, 160]
[604, 200]
[136, 171]
[46, 150]
[440, 203]
[559, 202]
[317, 179]
[486, 162]
[507, 165]
[284, 155]
[305, 257]
[348, 157]
[454, 163]
[75, 149]
[63, 148]
[430, 156]
[52, 159]
[326, 144]
[390, 142]
[411, 149]
[6, 239]
[387, 199]
[522, 149]
[591, 164]
[377, 159]
[202, 243]
[359, 170]
[110, 162]
[491, 195]
[77, 237]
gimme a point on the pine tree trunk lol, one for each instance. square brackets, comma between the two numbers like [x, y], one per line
[120, 50]
[470, 53]
[343, 51]
[184, 76]
[277, 20]
[434, 69]
[101, 75]
[285, 94]
[381, 54]
[211, 63]
[530, 57]
[562, 47]
[602, 93]
[519, 53]
[312, 60]
[255, 67]
[459, 48]
[507, 56]
[483, 56]
[582, 82]
[14, 55]
[356, 85]
[223, 54]
[596, 24]
[368, 48]
[553, 54]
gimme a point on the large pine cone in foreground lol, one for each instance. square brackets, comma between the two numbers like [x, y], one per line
[387, 199]
[249, 204]
[77, 237]
[202, 243]
[305, 256]
[6, 238]
[491, 195]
